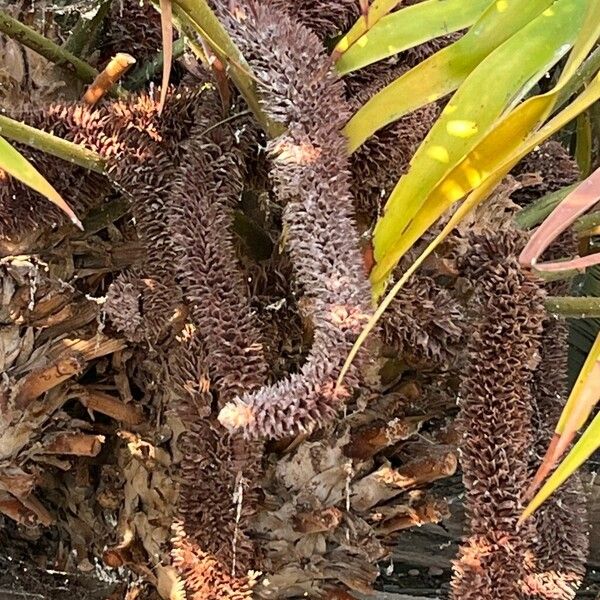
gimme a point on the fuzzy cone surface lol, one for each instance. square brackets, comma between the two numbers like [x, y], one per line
[496, 409]
[312, 179]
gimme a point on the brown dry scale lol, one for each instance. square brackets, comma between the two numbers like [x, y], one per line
[508, 405]
[560, 549]
[312, 179]
[219, 470]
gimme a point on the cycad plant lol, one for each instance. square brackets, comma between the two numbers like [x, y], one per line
[486, 127]
[203, 422]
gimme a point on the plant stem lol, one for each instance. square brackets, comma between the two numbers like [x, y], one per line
[574, 307]
[566, 275]
[51, 144]
[47, 48]
[53, 52]
[583, 146]
[537, 211]
[147, 71]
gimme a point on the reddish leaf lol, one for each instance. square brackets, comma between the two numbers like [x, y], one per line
[584, 396]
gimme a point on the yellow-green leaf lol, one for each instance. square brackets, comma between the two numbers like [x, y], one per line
[376, 11]
[16, 165]
[581, 400]
[490, 90]
[494, 157]
[503, 147]
[405, 29]
[481, 169]
[581, 103]
[443, 72]
[584, 396]
[467, 206]
[496, 153]
[587, 444]
[566, 420]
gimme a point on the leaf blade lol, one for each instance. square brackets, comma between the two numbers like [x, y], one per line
[587, 98]
[441, 73]
[465, 165]
[579, 201]
[405, 29]
[166, 27]
[583, 449]
[16, 165]
[365, 22]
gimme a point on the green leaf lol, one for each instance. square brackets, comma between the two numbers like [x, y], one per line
[51, 144]
[85, 31]
[587, 222]
[443, 72]
[16, 165]
[492, 89]
[585, 72]
[480, 193]
[405, 29]
[537, 211]
[148, 70]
